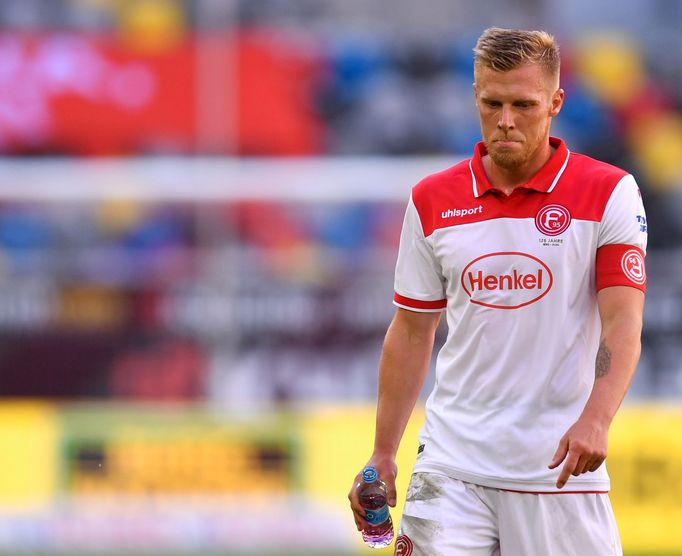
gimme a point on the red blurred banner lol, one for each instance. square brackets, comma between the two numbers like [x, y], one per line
[66, 93]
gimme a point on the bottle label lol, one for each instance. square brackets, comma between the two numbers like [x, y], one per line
[376, 517]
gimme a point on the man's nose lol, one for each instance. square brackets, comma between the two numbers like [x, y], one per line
[506, 120]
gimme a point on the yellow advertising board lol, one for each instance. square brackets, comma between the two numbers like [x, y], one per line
[176, 451]
[645, 464]
[28, 456]
[312, 455]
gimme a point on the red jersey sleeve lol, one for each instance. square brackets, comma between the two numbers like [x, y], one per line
[622, 239]
[419, 283]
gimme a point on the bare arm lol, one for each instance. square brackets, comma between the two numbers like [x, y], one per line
[402, 370]
[585, 444]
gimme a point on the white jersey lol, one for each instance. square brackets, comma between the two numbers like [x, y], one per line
[518, 277]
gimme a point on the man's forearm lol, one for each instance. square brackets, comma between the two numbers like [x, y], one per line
[402, 370]
[584, 446]
[615, 365]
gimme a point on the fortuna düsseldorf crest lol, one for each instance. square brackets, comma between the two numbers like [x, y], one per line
[553, 220]
[403, 546]
[632, 264]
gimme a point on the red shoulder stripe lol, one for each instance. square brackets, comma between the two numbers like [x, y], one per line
[419, 304]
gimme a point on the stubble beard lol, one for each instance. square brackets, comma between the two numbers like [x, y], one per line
[507, 159]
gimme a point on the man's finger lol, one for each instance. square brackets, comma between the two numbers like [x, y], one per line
[560, 453]
[390, 493]
[358, 514]
[582, 466]
[596, 465]
[358, 510]
[360, 523]
[353, 494]
[567, 469]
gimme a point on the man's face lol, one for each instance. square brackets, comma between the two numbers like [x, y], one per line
[516, 108]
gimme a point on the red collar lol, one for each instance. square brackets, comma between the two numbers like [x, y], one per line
[544, 180]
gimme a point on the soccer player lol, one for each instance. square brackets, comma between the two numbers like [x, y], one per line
[536, 256]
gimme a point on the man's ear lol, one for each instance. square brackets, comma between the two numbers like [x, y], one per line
[557, 102]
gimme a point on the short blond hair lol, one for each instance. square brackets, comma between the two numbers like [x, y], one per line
[507, 49]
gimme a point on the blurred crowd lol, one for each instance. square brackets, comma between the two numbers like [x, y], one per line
[128, 301]
[105, 77]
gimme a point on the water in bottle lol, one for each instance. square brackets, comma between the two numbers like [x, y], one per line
[373, 498]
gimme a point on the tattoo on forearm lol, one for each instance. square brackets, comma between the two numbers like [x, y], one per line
[603, 362]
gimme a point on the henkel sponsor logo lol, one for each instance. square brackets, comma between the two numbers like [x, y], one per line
[506, 280]
[553, 220]
[632, 264]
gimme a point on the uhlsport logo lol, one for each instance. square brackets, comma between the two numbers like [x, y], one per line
[403, 546]
[632, 264]
[506, 280]
[553, 220]
[459, 212]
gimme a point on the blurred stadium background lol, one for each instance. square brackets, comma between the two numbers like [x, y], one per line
[199, 212]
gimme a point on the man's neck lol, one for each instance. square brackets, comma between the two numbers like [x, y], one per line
[508, 179]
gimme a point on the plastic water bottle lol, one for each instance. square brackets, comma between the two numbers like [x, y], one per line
[373, 498]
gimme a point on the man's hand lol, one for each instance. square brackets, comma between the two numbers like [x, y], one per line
[583, 447]
[387, 470]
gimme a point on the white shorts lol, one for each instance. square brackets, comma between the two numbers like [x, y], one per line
[448, 517]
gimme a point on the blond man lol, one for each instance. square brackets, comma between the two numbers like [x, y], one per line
[536, 256]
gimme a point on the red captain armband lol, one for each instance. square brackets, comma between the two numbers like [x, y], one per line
[417, 305]
[620, 265]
